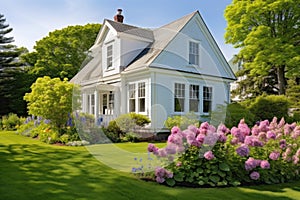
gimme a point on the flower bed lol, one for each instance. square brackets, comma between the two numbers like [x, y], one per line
[267, 153]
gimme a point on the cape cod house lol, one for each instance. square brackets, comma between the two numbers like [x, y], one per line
[171, 70]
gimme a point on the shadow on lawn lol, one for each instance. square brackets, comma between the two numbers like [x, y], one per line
[33, 171]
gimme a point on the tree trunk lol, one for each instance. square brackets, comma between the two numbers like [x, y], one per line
[281, 80]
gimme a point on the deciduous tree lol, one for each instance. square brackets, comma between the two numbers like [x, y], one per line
[61, 53]
[51, 99]
[267, 32]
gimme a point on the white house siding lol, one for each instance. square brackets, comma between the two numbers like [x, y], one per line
[176, 54]
[162, 98]
[135, 78]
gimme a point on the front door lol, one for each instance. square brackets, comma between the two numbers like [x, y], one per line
[107, 103]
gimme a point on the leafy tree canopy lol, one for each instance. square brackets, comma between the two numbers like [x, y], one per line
[268, 34]
[62, 52]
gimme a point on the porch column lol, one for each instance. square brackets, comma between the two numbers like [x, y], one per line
[84, 103]
[96, 111]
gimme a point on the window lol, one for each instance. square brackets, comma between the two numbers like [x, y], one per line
[109, 56]
[207, 99]
[193, 53]
[108, 103]
[141, 97]
[137, 97]
[111, 101]
[104, 104]
[194, 98]
[179, 96]
[131, 97]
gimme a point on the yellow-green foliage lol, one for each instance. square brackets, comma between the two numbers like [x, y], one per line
[182, 121]
[51, 99]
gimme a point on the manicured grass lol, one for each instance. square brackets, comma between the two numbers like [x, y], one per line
[34, 170]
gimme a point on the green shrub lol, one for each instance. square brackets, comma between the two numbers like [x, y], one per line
[182, 121]
[10, 122]
[114, 128]
[130, 137]
[235, 112]
[128, 122]
[112, 136]
[140, 120]
[267, 107]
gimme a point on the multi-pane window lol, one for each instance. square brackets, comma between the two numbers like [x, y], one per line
[109, 56]
[194, 53]
[137, 97]
[108, 103]
[194, 98]
[207, 99]
[179, 96]
[141, 97]
[132, 97]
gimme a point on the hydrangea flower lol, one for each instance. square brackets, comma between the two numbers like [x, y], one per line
[245, 130]
[282, 144]
[161, 174]
[243, 150]
[209, 155]
[255, 130]
[274, 155]
[251, 163]
[254, 175]
[264, 164]
[271, 135]
[152, 148]
[234, 141]
[175, 130]
[170, 149]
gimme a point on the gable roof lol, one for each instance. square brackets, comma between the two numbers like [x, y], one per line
[159, 39]
[90, 71]
[162, 37]
[131, 30]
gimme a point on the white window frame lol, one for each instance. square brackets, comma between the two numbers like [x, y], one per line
[137, 92]
[194, 52]
[208, 98]
[141, 96]
[108, 103]
[109, 56]
[132, 97]
[179, 93]
[194, 96]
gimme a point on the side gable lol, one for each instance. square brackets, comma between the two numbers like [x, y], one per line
[171, 49]
[176, 55]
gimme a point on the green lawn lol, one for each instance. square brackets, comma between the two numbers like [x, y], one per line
[34, 170]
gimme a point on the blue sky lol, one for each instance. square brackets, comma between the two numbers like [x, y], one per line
[34, 19]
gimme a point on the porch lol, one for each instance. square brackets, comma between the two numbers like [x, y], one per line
[103, 102]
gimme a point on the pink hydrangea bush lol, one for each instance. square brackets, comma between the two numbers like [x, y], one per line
[269, 152]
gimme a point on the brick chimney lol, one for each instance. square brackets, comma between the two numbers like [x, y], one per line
[119, 17]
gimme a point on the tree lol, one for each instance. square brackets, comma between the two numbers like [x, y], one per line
[13, 76]
[62, 52]
[267, 32]
[51, 99]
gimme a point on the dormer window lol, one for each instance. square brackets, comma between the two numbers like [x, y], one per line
[193, 53]
[109, 56]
